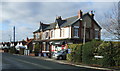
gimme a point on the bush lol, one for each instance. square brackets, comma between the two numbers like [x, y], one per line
[109, 50]
[88, 50]
[111, 54]
[22, 51]
[12, 50]
[37, 49]
[117, 53]
[75, 55]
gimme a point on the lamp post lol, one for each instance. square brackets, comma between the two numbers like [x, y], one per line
[84, 33]
[83, 39]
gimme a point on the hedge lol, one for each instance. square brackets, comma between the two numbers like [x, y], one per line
[89, 50]
[37, 49]
[85, 53]
[12, 50]
[75, 55]
[111, 54]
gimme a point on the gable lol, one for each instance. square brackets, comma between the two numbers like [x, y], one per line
[87, 20]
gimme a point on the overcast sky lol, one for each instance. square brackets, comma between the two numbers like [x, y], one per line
[25, 16]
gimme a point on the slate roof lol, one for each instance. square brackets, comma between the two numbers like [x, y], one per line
[62, 23]
[42, 27]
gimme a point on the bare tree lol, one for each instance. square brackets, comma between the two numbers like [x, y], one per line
[112, 21]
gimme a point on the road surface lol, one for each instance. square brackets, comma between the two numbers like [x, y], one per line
[12, 62]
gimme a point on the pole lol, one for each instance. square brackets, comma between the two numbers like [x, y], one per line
[14, 35]
[84, 33]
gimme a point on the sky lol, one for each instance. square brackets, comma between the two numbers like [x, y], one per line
[25, 15]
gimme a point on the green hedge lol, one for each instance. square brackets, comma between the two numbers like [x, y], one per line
[75, 55]
[89, 50]
[109, 50]
[22, 51]
[37, 49]
[12, 50]
[111, 54]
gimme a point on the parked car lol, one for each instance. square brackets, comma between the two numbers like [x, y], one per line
[60, 55]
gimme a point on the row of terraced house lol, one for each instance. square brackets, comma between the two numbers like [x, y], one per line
[57, 35]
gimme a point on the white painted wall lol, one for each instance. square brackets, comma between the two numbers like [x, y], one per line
[66, 33]
[56, 33]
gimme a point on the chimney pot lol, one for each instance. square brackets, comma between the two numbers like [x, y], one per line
[80, 13]
[59, 17]
[92, 14]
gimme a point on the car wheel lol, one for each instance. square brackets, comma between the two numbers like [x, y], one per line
[60, 58]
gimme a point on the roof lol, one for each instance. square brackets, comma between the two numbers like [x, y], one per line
[29, 41]
[63, 23]
[42, 27]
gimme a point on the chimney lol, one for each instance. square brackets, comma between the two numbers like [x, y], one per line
[92, 14]
[27, 39]
[59, 17]
[80, 14]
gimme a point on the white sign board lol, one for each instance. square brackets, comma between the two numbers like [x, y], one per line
[98, 56]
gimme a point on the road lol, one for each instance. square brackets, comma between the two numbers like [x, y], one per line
[12, 62]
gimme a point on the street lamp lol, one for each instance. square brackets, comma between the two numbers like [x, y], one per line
[84, 33]
[83, 39]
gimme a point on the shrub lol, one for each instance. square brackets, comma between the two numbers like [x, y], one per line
[37, 49]
[75, 55]
[116, 57]
[88, 51]
[12, 50]
[111, 54]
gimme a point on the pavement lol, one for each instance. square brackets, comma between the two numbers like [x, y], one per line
[70, 63]
[12, 62]
[73, 64]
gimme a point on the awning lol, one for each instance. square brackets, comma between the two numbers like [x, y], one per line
[58, 42]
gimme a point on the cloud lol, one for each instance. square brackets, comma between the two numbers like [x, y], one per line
[60, 0]
[27, 15]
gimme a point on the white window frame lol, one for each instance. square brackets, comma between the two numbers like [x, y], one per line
[37, 35]
[46, 35]
[52, 33]
[62, 32]
[76, 36]
[96, 33]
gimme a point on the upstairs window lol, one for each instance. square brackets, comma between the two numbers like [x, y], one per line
[37, 35]
[62, 33]
[96, 34]
[46, 35]
[76, 29]
[52, 34]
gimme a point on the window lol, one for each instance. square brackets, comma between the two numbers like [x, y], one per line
[76, 32]
[34, 36]
[46, 34]
[51, 34]
[37, 35]
[62, 32]
[96, 34]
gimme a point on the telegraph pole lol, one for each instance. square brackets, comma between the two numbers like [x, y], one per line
[14, 35]
[84, 33]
